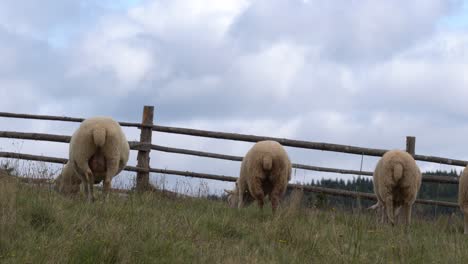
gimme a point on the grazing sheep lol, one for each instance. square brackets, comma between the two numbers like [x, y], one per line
[68, 182]
[98, 151]
[265, 170]
[463, 197]
[396, 180]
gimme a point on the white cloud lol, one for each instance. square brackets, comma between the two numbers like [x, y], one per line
[112, 47]
[18, 94]
[272, 70]
[189, 89]
[427, 77]
[207, 18]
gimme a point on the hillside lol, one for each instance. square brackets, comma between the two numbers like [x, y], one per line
[39, 226]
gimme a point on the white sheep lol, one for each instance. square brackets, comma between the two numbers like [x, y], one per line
[98, 151]
[265, 170]
[463, 197]
[68, 182]
[396, 180]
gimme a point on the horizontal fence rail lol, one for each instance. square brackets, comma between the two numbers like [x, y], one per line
[238, 158]
[22, 156]
[301, 144]
[135, 145]
[315, 189]
[251, 138]
[58, 118]
[426, 178]
[35, 136]
[440, 160]
[282, 141]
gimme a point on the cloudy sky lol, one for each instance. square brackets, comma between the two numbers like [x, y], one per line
[365, 73]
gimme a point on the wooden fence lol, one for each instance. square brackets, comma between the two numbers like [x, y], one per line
[144, 147]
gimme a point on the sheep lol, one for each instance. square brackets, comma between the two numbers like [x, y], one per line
[396, 180]
[68, 182]
[265, 170]
[463, 197]
[98, 151]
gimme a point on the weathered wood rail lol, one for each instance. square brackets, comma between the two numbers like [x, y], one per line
[251, 138]
[144, 146]
[136, 145]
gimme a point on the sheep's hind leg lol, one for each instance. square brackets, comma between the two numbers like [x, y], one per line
[260, 201]
[257, 192]
[407, 213]
[382, 215]
[86, 188]
[240, 188]
[389, 210]
[90, 183]
[112, 169]
[276, 193]
[87, 177]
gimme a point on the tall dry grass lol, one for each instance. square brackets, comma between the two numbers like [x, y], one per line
[39, 226]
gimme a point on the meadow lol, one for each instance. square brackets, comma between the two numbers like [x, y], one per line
[38, 225]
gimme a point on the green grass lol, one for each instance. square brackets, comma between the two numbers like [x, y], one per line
[40, 226]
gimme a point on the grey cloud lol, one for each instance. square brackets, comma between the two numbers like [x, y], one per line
[48, 18]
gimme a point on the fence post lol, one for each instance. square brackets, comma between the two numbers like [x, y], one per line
[143, 157]
[411, 145]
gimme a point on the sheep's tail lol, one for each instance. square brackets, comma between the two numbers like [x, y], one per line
[267, 162]
[99, 136]
[397, 172]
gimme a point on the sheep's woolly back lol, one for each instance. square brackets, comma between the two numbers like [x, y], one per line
[396, 178]
[268, 161]
[103, 133]
[397, 169]
[99, 142]
[265, 170]
[463, 191]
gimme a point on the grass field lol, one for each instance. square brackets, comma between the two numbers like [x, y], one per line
[40, 226]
